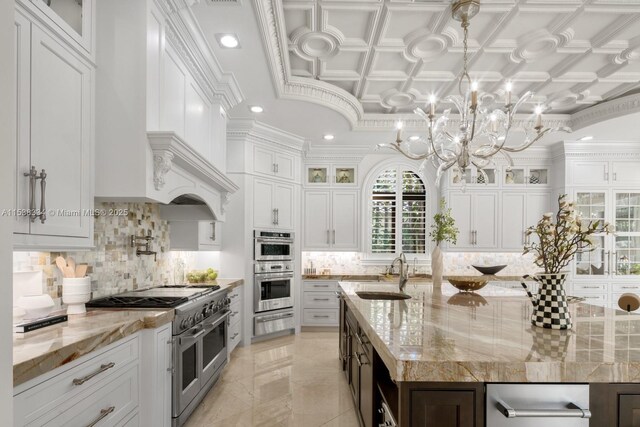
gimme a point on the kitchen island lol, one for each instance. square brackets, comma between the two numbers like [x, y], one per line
[445, 346]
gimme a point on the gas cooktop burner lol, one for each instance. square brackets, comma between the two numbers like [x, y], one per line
[137, 302]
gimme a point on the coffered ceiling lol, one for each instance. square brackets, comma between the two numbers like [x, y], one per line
[391, 55]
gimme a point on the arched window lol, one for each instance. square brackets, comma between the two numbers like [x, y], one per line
[398, 213]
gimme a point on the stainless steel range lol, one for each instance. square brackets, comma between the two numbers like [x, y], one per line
[199, 338]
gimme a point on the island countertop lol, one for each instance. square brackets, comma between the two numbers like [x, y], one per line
[447, 336]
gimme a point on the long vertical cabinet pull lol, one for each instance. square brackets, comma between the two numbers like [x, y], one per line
[334, 237]
[213, 231]
[328, 239]
[33, 178]
[273, 217]
[43, 197]
[614, 268]
[32, 174]
[277, 216]
[608, 264]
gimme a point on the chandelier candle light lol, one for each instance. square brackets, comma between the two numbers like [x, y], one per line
[482, 133]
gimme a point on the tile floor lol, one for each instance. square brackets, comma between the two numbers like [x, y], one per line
[289, 381]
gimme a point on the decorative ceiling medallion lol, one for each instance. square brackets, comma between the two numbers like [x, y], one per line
[425, 46]
[538, 44]
[312, 45]
[394, 98]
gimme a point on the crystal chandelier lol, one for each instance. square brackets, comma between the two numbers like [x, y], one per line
[482, 133]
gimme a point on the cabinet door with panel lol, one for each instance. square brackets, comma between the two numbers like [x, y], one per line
[283, 204]
[61, 137]
[625, 173]
[589, 173]
[263, 214]
[285, 165]
[439, 408]
[344, 218]
[461, 204]
[317, 220]
[485, 220]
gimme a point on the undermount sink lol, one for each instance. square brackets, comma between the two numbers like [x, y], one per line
[382, 295]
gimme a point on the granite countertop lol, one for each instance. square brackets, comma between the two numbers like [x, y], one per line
[487, 337]
[394, 278]
[38, 352]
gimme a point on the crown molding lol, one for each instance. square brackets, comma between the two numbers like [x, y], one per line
[606, 111]
[255, 131]
[186, 37]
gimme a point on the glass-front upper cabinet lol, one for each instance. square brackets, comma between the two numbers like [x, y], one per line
[331, 175]
[526, 176]
[627, 234]
[344, 175]
[592, 206]
[473, 176]
[73, 17]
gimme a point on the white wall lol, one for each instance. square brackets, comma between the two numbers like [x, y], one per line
[7, 134]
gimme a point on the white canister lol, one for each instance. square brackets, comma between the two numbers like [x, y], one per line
[76, 291]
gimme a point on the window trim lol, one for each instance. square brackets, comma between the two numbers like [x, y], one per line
[428, 180]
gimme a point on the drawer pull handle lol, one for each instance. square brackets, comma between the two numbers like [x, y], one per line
[629, 287]
[103, 414]
[317, 316]
[234, 295]
[321, 299]
[320, 286]
[235, 335]
[105, 367]
[572, 411]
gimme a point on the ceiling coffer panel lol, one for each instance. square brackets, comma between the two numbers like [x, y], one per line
[391, 55]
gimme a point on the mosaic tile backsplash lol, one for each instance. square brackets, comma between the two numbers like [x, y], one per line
[113, 264]
[454, 263]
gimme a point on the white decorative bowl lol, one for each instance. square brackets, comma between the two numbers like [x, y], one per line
[76, 291]
[36, 306]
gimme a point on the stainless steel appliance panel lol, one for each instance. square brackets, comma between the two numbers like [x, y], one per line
[273, 291]
[273, 246]
[273, 322]
[534, 405]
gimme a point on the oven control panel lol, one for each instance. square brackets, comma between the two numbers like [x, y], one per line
[269, 267]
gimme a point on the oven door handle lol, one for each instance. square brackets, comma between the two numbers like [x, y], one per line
[191, 338]
[266, 240]
[218, 321]
[273, 317]
[267, 276]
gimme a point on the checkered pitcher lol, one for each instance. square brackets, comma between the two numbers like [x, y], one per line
[550, 307]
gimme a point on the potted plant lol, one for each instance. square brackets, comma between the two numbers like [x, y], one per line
[443, 229]
[558, 242]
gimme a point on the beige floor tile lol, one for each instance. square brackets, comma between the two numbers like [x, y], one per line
[292, 381]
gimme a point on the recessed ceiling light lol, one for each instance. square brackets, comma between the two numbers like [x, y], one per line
[256, 109]
[586, 138]
[230, 41]
[414, 138]
[328, 137]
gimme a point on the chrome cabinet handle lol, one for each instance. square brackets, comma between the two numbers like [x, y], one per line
[318, 316]
[572, 411]
[615, 176]
[105, 367]
[328, 239]
[103, 414]
[43, 188]
[606, 175]
[334, 237]
[32, 174]
[213, 231]
[235, 335]
[321, 299]
[320, 286]
[277, 216]
[277, 168]
[608, 265]
[360, 362]
[273, 167]
[614, 268]
[273, 216]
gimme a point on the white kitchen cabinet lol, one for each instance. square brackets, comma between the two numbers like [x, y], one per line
[520, 211]
[195, 235]
[625, 173]
[476, 216]
[473, 177]
[273, 204]
[72, 21]
[331, 175]
[592, 173]
[525, 176]
[54, 400]
[155, 400]
[273, 163]
[234, 333]
[55, 134]
[331, 220]
[320, 305]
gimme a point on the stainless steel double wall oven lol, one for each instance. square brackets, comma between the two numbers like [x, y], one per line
[273, 281]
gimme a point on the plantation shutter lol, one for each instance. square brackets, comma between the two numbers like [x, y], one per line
[398, 213]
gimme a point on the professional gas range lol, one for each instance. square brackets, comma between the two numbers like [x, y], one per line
[199, 337]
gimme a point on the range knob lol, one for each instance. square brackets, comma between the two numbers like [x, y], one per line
[199, 317]
[263, 268]
[185, 323]
[227, 301]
